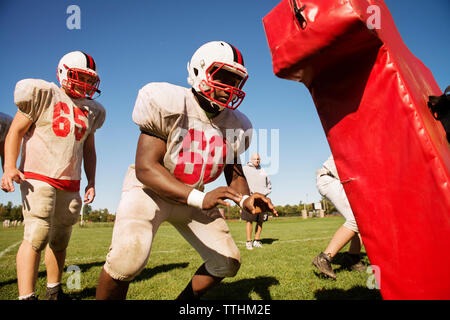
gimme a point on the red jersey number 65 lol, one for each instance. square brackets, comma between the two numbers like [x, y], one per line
[62, 124]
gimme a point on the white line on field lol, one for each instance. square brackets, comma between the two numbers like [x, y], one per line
[294, 240]
[168, 251]
[9, 248]
[243, 242]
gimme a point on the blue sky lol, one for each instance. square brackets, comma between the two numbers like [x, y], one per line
[136, 42]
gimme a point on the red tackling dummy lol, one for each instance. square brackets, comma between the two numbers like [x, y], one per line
[371, 95]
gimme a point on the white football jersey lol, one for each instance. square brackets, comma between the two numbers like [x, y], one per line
[5, 123]
[197, 147]
[53, 146]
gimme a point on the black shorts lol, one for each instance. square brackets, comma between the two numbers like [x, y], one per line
[260, 217]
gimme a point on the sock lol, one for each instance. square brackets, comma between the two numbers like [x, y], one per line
[26, 296]
[52, 285]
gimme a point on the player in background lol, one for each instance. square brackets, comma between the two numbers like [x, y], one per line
[189, 136]
[258, 181]
[329, 186]
[5, 123]
[57, 125]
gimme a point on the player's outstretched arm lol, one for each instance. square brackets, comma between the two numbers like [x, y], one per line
[90, 165]
[257, 202]
[19, 127]
[218, 196]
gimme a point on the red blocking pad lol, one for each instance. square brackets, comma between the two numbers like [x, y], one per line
[392, 156]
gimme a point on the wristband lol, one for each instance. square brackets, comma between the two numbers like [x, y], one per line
[241, 203]
[195, 199]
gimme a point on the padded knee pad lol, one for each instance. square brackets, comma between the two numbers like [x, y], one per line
[123, 269]
[223, 266]
[126, 260]
[37, 235]
[59, 237]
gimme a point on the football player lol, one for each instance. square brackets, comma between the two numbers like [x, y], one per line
[5, 123]
[189, 136]
[57, 125]
[330, 186]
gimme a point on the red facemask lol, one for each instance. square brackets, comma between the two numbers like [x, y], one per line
[78, 87]
[221, 77]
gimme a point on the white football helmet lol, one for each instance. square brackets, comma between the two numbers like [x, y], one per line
[211, 60]
[77, 73]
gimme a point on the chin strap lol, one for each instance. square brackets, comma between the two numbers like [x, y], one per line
[206, 104]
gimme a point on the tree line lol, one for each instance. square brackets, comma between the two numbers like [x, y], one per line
[233, 212]
[99, 215]
[10, 212]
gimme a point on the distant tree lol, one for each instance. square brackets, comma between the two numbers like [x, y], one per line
[100, 215]
[110, 218]
[3, 212]
[280, 210]
[16, 213]
[327, 205]
[87, 209]
[231, 212]
[10, 212]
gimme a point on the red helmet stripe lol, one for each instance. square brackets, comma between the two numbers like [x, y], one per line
[237, 56]
[240, 59]
[90, 63]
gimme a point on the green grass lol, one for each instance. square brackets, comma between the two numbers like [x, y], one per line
[281, 270]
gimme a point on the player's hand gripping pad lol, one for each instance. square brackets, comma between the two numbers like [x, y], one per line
[371, 95]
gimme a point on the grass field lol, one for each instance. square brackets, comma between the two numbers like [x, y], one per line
[281, 270]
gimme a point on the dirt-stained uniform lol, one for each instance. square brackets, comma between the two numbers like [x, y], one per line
[197, 150]
[52, 153]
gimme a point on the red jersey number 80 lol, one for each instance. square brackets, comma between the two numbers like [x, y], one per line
[188, 155]
[62, 124]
